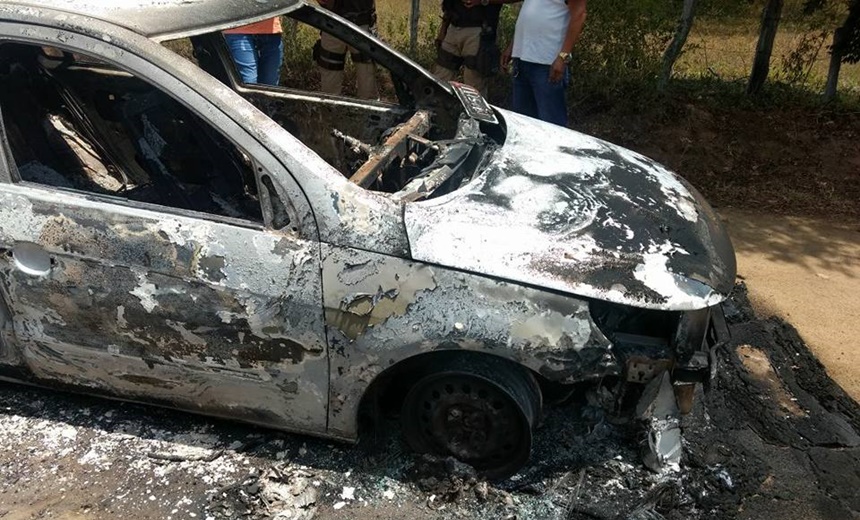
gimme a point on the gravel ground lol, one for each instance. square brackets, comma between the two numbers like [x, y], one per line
[772, 437]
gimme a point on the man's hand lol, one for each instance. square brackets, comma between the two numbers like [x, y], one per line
[471, 3]
[328, 4]
[556, 70]
[505, 60]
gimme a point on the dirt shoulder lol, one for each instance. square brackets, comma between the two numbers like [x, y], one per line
[806, 271]
[786, 161]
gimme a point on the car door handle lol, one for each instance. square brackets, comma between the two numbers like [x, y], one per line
[31, 259]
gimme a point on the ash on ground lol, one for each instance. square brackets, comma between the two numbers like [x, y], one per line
[771, 437]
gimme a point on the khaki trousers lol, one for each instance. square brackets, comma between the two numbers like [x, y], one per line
[463, 42]
[331, 81]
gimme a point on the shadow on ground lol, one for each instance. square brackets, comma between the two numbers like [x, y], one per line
[798, 240]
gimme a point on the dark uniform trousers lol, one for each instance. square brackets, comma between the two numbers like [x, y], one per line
[459, 48]
[331, 52]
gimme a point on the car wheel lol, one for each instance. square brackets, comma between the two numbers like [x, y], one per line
[479, 411]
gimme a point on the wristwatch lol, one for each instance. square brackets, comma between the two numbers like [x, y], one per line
[565, 56]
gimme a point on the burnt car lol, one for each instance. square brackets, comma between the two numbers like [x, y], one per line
[170, 235]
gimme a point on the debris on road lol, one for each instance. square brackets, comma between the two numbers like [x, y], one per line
[659, 411]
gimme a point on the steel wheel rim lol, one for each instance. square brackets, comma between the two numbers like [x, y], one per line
[472, 419]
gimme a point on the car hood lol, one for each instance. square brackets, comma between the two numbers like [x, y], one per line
[565, 211]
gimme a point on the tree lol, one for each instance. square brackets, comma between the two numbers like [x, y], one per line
[673, 51]
[414, 15]
[761, 65]
[845, 48]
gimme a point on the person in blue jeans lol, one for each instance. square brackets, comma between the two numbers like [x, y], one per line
[544, 37]
[257, 50]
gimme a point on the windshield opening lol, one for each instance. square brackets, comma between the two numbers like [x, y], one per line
[394, 130]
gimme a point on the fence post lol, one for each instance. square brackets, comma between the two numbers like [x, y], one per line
[413, 26]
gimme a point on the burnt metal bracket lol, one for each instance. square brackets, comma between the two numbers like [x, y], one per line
[658, 410]
[719, 328]
[718, 335]
[5, 315]
[641, 369]
[700, 365]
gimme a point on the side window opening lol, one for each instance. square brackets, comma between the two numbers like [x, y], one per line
[75, 122]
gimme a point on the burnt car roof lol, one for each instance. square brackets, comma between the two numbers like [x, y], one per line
[167, 19]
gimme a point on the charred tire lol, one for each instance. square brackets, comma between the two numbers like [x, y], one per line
[479, 410]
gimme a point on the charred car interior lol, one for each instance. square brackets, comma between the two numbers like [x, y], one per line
[108, 131]
[74, 122]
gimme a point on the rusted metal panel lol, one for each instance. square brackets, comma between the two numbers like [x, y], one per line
[201, 315]
[589, 218]
[394, 147]
[381, 310]
[641, 369]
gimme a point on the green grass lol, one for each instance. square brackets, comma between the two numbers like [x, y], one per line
[726, 52]
[720, 48]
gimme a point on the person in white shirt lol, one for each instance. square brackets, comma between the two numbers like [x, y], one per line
[545, 35]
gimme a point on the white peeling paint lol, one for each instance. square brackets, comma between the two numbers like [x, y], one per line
[184, 232]
[120, 318]
[655, 274]
[550, 327]
[228, 317]
[145, 292]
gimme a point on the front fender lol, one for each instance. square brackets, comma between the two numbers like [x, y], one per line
[382, 310]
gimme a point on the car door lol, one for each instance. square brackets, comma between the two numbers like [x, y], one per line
[131, 292]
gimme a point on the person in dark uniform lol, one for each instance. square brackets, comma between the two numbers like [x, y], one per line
[331, 53]
[467, 38]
